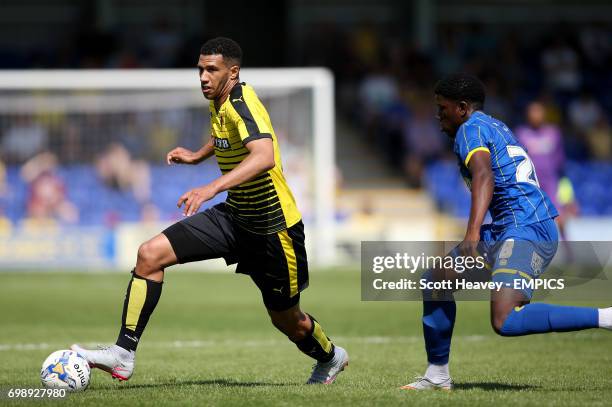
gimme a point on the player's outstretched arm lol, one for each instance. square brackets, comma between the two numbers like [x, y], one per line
[259, 160]
[182, 155]
[482, 193]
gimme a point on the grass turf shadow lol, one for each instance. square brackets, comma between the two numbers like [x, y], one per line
[493, 386]
[211, 382]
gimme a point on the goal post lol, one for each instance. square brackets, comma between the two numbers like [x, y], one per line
[303, 98]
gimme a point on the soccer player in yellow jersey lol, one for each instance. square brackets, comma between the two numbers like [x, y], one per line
[259, 226]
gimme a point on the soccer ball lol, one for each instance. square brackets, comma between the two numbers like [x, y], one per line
[65, 369]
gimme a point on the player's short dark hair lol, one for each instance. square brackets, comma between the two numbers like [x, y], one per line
[462, 86]
[228, 48]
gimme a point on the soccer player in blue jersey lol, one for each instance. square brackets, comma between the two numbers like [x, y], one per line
[518, 244]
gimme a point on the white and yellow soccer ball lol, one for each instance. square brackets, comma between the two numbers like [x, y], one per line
[65, 369]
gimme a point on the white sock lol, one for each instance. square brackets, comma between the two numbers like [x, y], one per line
[437, 373]
[605, 318]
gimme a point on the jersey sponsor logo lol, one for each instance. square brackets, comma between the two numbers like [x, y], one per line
[237, 100]
[222, 143]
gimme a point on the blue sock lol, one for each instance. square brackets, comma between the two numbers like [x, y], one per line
[541, 318]
[438, 323]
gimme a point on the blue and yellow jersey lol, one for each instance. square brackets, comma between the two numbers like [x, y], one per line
[518, 199]
[263, 205]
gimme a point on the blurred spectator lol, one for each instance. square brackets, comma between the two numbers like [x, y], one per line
[378, 91]
[47, 197]
[584, 112]
[364, 222]
[544, 144]
[561, 67]
[69, 142]
[150, 213]
[118, 171]
[552, 111]
[599, 140]
[297, 170]
[23, 139]
[423, 142]
[164, 135]
[388, 131]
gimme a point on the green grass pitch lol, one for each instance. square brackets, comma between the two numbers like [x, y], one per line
[210, 343]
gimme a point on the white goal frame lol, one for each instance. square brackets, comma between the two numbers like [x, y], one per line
[320, 80]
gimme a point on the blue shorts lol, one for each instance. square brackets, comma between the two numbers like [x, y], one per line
[519, 255]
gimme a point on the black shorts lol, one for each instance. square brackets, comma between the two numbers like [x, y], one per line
[276, 262]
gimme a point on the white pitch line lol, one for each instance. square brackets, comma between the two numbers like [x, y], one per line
[181, 344]
[210, 343]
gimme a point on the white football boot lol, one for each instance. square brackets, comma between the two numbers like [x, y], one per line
[326, 373]
[423, 383]
[113, 359]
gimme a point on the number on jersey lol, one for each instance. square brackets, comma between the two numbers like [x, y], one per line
[525, 171]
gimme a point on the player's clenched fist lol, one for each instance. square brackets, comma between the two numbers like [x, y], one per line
[193, 199]
[181, 155]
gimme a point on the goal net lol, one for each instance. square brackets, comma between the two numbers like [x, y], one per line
[84, 178]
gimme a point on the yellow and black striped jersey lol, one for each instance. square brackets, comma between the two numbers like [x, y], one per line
[265, 204]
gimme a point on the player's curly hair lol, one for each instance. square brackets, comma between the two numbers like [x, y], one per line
[226, 47]
[462, 87]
